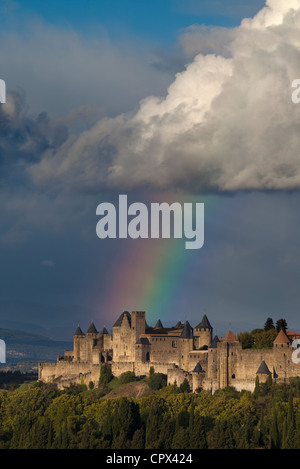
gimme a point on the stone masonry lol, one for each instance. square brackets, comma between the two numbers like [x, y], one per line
[179, 352]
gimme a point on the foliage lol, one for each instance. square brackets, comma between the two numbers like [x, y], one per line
[127, 377]
[246, 339]
[44, 417]
[269, 324]
[185, 386]
[105, 375]
[156, 381]
[281, 324]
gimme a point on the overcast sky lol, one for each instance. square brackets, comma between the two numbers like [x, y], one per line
[170, 101]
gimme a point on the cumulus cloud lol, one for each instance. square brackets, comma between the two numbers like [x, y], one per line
[227, 122]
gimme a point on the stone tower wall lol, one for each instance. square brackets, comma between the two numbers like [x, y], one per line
[202, 336]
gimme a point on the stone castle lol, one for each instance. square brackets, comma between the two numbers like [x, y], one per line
[180, 352]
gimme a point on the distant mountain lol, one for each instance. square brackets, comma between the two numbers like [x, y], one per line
[55, 333]
[26, 346]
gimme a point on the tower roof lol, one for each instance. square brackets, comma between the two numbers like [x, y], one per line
[263, 369]
[204, 323]
[92, 329]
[104, 331]
[143, 341]
[198, 368]
[120, 319]
[179, 325]
[214, 342]
[230, 337]
[187, 332]
[78, 331]
[158, 325]
[282, 338]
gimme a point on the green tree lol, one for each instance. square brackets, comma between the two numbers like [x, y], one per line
[157, 381]
[290, 434]
[138, 439]
[257, 387]
[246, 339]
[274, 432]
[127, 377]
[198, 439]
[166, 432]
[153, 426]
[185, 386]
[281, 325]
[105, 375]
[264, 339]
[269, 324]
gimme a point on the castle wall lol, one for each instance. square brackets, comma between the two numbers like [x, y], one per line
[64, 373]
[164, 348]
[140, 369]
[177, 376]
[168, 353]
[186, 346]
[123, 345]
[202, 336]
[196, 356]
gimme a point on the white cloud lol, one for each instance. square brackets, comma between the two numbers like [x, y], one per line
[227, 123]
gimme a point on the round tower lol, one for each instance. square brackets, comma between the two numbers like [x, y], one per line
[186, 345]
[91, 341]
[79, 337]
[203, 333]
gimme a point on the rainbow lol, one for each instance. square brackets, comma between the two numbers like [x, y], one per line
[151, 275]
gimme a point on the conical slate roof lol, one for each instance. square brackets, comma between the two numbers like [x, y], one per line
[204, 324]
[158, 325]
[179, 325]
[104, 331]
[78, 331]
[120, 319]
[214, 342]
[282, 338]
[263, 369]
[147, 327]
[92, 329]
[143, 341]
[198, 368]
[187, 332]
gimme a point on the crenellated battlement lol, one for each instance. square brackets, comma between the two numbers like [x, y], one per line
[180, 352]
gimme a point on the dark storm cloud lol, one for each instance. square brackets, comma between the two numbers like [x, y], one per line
[24, 139]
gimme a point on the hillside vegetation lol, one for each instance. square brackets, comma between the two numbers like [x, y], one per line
[39, 416]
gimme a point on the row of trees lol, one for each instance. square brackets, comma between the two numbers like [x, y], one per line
[263, 338]
[45, 417]
[281, 324]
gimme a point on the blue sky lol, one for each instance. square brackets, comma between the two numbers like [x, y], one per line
[158, 20]
[87, 83]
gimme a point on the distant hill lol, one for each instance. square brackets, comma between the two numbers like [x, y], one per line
[26, 346]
